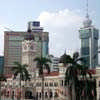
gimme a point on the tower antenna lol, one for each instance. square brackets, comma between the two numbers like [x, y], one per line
[87, 13]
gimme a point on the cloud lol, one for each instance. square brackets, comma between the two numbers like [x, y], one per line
[63, 28]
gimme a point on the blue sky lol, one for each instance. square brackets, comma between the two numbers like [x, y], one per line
[15, 14]
[18, 12]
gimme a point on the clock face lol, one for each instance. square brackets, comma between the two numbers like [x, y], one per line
[36, 38]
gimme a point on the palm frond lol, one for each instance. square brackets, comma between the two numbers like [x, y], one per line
[42, 61]
[21, 70]
[75, 55]
[25, 65]
[37, 59]
[17, 63]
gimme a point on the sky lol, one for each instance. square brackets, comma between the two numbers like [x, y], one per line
[61, 18]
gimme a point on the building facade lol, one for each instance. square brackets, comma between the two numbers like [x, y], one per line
[54, 88]
[54, 63]
[1, 64]
[89, 36]
[13, 44]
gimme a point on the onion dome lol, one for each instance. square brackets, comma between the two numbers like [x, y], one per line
[87, 22]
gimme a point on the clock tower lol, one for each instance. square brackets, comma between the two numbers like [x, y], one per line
[30, 50]
[35, 44]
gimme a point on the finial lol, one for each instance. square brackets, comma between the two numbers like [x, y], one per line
[29, 27]
[87, 14]
[65, 51]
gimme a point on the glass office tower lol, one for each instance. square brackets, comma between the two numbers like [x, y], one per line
[89, 36]
[13, 44]
[1, 64]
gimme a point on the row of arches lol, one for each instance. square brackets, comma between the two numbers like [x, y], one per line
[47, 94]
[29, 94]
[48, 84]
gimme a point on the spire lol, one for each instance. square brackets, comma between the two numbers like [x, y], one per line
[65, 51]
[87, 13]
[29, 27]
[87, 22]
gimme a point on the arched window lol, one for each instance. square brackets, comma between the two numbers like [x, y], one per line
[38, 84]
[40, 95]
[51, 94]
[62, 83]
[28, 94]
[12, 93]
[46, 95]
[55, 84]
[51, 84]
[46, 84]
[37, 94]
[7, 93]
[56, 95]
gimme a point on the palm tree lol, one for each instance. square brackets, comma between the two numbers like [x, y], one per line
[71, 75]
[2, 78]
[65, 59]
[21, 70]
[42, 63]
[89, 84]
[73, 72]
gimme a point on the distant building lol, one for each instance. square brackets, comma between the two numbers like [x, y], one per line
[13, 44]
[54, 63]
[89, 36]
[1, 64]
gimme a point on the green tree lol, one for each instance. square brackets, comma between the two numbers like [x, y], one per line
[2, 78]
[75, 71]
[89, 84]
[42, 63]
[65, 59]
[21, 70]
[71, 75]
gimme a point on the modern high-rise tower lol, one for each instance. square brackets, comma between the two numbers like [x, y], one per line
[89, 36]
[13, 44]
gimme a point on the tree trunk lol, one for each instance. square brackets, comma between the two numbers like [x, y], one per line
[43, 87]
[70, 90]
[0, 90]
[20, 87]
[73, 91]
[69, 93]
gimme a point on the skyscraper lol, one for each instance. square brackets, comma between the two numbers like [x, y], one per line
[1, 64]
[13, 44]
[89, 36]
